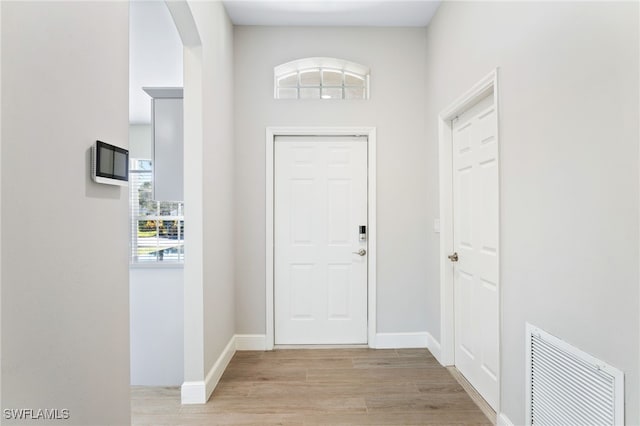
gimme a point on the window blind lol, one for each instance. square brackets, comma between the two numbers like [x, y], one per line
[157, 227]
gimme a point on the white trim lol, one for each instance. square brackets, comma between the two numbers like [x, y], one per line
[251, 342]
[320, 62]
[198, 392]
[280, 347]
[402, 340]
[447, 329]
[269, 227]
[157, 265]
[214, 375]
[373, 239]
[193, 393]
[370, 132]
[503, 420]
[434, 347]
[164, 92]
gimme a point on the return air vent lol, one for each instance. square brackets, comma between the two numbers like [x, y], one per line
[568, 387]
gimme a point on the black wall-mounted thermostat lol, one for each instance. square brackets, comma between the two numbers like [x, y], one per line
[109, 164]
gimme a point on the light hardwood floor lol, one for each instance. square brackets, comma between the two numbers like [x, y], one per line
[320, 387]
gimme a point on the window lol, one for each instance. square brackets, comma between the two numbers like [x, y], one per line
[157, 227]
[321, 78]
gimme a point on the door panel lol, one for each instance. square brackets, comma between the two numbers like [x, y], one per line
[339, 212]
[475, 216]
[320, 200]
[339, 291]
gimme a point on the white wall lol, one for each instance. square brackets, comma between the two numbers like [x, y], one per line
[155, 55]
[140, 141]
[569, 171]
[209, 240]
[216, 32]
[157, 326]
[157, 294]
[65, 293]
[396, 57]
[0, 207]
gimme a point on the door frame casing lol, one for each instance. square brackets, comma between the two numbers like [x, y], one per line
[486, 85]
[271, 133]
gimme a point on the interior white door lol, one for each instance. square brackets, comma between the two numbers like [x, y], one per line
[475, 234]
[320, 201]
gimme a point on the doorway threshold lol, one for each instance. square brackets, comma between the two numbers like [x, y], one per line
[363, 346]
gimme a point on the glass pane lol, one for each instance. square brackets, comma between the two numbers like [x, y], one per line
[310, 93]
[289, 80]
[168, 208]
[146, 205]
[331, 78]
[354, 93]
[287, 94]
[168, 231]
[310, 77]
[331, 93]
[147, 230]
[353, 79]
[137, 164]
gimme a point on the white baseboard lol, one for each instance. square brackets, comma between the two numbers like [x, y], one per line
[258, 342]
[193, 392]
[216, 372]
[251, 342]
[503, 420]
[434, 347]
[401, 340]
[198, 392]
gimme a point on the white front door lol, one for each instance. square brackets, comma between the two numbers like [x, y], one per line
[475, 234]
[320, 284]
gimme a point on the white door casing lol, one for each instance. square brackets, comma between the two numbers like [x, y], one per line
[488, 276]
[270, 134]
[320, 200]
[475, 240]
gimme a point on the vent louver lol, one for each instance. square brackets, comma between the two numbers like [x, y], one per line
[567, 387]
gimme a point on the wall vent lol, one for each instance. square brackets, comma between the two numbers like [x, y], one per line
[568, 387]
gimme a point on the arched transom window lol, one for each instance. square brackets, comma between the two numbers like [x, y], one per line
[321, 78]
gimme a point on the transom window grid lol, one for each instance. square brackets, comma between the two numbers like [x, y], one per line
[157, 227]
[322, 83]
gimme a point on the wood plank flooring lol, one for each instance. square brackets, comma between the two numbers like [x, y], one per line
[320, 387]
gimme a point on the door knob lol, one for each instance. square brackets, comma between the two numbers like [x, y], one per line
[360, 252]
[453, 257]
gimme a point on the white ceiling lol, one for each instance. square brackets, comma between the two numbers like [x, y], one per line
[377, 13]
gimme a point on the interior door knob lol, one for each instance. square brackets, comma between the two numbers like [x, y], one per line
[453, 257]
[360, 252]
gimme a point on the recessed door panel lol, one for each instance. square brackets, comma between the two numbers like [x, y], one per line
[339, 211]
[302, 214]
[301, 302]
[339, 292]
